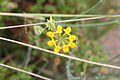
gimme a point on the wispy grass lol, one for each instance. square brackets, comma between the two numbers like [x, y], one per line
[93, 7]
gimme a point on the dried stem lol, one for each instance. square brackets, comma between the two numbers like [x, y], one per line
[35, 15]
[30, 73]
[62, 55]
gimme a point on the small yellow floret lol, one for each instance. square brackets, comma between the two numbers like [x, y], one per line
[59, 29]
[72, 45]
[67, 30]
[72, 37]
[50, 34]
[57, 49]
[51, 43]
[65, 48]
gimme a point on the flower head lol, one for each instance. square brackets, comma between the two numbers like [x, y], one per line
[61, 39]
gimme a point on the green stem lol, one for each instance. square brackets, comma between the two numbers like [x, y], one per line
[68, 69]
[92, 25]
[94, 6]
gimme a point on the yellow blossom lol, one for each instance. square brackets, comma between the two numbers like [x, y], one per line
[50, 34]
[65, 48]
[72, 37]
[67, 30]
[51, 42]
[59, 29]
[72, 45]
[61, 38]
[57, 49]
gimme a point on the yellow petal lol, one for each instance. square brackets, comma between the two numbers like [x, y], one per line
[65, 48]
[59, 29]
[57, 49]
[72, 37]
[50, 43]
[67, 30]
[72, 45]
[50, 34]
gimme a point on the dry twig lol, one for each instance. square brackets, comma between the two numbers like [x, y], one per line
[30, 73]
[62, 55]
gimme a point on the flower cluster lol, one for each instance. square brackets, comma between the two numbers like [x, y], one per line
[61, 39]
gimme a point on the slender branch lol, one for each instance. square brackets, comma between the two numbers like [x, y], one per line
[17, 26]
[30, 73]
[53, 15]
[94, 6]
[92, 24]
[60, 54]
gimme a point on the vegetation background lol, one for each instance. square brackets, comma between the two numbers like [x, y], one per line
[98, 40]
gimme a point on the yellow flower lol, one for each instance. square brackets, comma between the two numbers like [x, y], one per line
[67, 30]
[72, 45]
[65, 48]
[59, 29]
[72, 37]
[51, 42]
[61, 38]
[57, 49]
[50, 34]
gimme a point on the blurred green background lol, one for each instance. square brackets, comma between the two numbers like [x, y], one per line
[89, 32]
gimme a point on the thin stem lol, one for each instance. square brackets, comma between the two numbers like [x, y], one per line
[62, 55]
[94, 6]
[17, 26]
[91, 25]
[115, 57]
[30, 73]
[68, 70]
